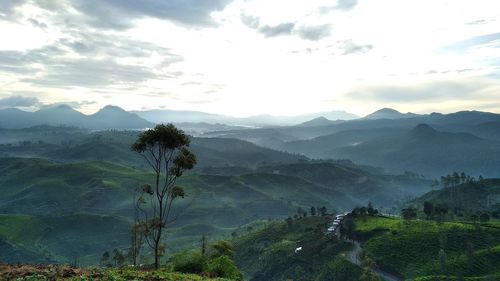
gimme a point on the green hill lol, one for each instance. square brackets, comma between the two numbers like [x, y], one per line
[354, 183]
[44, 193]
[412, 249]
[468, 198]
[269, 254]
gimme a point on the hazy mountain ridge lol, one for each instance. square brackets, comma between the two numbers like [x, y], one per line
[421, 149]
[109, 117]
[178, 116]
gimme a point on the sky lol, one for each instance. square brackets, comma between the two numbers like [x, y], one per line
[249, 57]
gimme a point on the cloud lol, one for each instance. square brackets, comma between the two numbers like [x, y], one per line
[103, 60]
[281, 29]
[474, 41]
[277, 30]
[250, 21]
[90, 72]
[342, 5]
[346, 5]
[7, 8]
[19, 101]
[431, 91]
[314, 33]
[349, 47]
[119, 14]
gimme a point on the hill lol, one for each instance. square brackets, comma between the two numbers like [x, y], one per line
[268, 253]
[46, 194]
[319, 121]
[389, 113]
[421, 149]
[67, 144]
[353, 183]
[468, 198]
[411, 249]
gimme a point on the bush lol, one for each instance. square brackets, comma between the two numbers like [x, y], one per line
[340, 270]
[189, 262]
[224, 267]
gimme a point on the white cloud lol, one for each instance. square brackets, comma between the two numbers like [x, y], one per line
[229, 59]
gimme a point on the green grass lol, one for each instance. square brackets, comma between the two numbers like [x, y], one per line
[411, 249]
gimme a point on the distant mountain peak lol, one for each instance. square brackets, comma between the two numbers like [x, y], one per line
[113, 111]
[389, 113]
[387, 110]
[58, 107]
[318, 121]
[112, 108]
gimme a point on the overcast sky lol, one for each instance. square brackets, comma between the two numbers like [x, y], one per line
[245, 57]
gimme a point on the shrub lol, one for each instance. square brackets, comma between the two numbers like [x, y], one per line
[189, 262]
[223, 266]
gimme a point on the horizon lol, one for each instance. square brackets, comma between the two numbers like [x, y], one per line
[246, 58]
[49, 106]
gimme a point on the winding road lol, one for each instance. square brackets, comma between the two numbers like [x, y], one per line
[354, 257]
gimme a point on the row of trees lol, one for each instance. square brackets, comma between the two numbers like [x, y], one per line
[431, 211]
[456, 178]
[314, 211]
[365, 210]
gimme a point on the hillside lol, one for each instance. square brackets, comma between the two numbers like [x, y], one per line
[468, 197]
[358, 184]
[67, 144]
[268, 253]
[45, 191]
[421, 149]
[411, 249]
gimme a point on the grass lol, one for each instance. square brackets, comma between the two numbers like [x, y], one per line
[411, 248]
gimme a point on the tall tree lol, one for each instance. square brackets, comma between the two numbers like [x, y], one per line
[428, 209]
[165, 149]
[313, 211]
[204, 244]
[409, 213]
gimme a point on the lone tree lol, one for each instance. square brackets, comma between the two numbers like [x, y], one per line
[428, 209]
[165, 149]
[409, 213]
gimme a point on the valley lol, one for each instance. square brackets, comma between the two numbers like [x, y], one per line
[68, 192]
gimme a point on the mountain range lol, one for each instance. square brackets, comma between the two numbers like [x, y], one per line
[109, 117]
[429, 144]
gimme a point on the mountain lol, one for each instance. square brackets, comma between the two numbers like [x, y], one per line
[318, 121]
[389, 113]
[109, 117]
[265, 120]
[113, 117]
[74, 145]
[421, 149]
